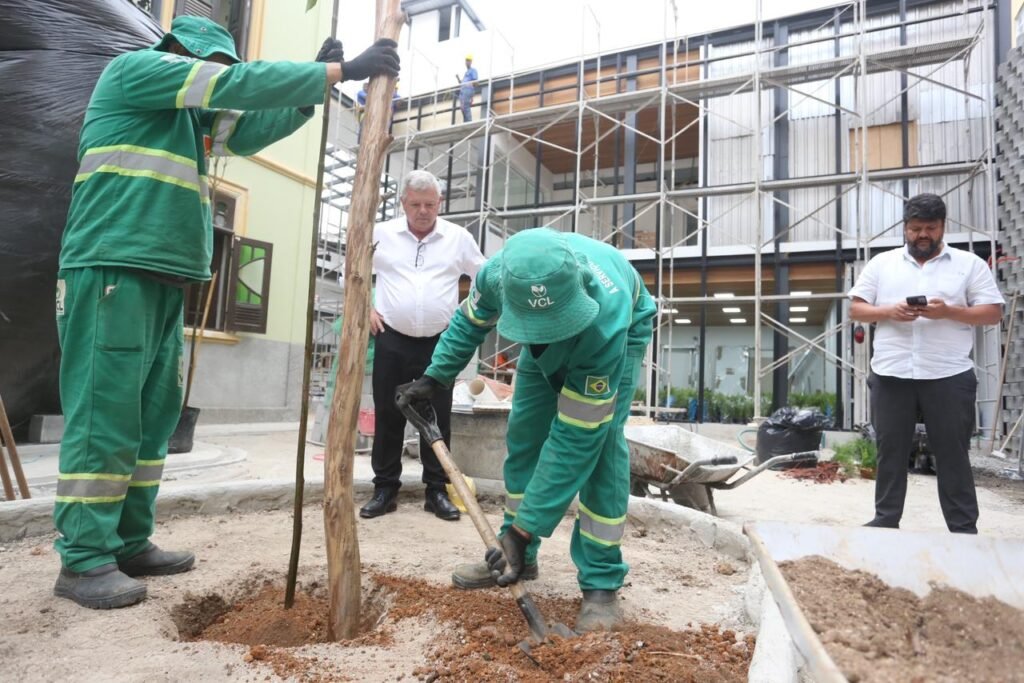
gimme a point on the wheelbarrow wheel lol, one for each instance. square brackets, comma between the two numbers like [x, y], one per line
[696, 496]
[638, 488]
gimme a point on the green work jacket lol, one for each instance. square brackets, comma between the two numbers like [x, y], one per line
[586, 369]
[141, 197]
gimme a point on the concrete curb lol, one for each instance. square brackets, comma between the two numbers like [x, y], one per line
[34, 517]
[775, 656]
[725, 537]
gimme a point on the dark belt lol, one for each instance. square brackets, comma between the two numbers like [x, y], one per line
[388, 328]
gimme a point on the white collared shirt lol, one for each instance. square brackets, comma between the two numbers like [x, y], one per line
[925, 349]
[418, 281]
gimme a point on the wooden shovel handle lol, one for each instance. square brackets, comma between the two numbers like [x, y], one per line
[472, 506]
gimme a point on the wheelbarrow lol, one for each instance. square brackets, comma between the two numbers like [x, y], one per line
[688, 467]
[977, 565]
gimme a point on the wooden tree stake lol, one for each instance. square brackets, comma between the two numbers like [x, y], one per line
[339, 503]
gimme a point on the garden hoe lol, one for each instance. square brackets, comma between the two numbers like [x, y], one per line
[424, 419]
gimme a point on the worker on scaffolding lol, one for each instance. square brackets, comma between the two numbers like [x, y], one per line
[138, 230]
[584, 319]
[467, 89]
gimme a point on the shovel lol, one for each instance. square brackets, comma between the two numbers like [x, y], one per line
[424, 419]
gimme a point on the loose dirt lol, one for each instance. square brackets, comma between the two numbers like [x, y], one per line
[476, 637]
[822, 473]
[877, 633]
[415, 625]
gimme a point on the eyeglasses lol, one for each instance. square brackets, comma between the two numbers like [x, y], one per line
[419, 253]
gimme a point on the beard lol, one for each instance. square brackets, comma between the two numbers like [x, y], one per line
[924, 248]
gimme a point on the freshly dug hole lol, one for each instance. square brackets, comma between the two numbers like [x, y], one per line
[259, 617]
[473, 636]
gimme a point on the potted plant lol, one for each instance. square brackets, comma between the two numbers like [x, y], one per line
[858, 456]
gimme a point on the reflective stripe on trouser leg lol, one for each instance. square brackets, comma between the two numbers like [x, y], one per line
[106, 330]
[597, 534]
[161, 407]
[534, 406]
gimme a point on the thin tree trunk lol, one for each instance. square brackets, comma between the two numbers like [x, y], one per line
[339, 503]
[307, 368]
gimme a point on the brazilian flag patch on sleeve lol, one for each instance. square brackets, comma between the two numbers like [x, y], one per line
[596, 386]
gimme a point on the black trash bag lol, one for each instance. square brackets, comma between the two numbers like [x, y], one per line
[51, 54]
[791, 430]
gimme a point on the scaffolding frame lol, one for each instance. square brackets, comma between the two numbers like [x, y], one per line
[480, 155]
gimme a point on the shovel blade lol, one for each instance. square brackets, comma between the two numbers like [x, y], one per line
[534, 619]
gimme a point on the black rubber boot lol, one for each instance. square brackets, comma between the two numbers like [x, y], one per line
[155, 562]
[477, 575]
[102, 587]
[600, 611]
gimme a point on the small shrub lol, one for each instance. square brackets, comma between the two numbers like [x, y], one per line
[824, 401]
[857, 453]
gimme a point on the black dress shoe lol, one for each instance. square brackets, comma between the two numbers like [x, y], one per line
[383, 502]
[438, 503]
[882, 524]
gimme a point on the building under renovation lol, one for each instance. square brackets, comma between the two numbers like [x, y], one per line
[748, 173]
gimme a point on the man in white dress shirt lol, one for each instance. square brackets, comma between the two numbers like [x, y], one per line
[921, 359]
[418, 259]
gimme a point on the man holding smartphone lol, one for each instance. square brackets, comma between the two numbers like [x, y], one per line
[926, 298]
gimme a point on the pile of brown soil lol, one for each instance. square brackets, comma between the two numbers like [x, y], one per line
[822, 473]
[877, 633]
[476, 637]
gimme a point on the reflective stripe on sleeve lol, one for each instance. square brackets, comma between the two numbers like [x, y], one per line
[223, 128]
[92, 488]
[470, 311]
[132, 160]
[147, 473]
[512, 502]
[198, 86]
[583, 411]
[602, 530]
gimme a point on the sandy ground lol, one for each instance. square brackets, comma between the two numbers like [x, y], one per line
[773, 496]
[673, 581]
[768, 496]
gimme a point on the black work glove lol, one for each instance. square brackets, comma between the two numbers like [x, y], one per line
[417, 391]
[506, 563]
[331, 51]
[379, 58]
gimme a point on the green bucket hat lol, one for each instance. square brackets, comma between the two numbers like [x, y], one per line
[544, 299]
[202, 37]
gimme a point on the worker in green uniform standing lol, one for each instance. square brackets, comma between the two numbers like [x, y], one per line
[139, 228]
[584, 319]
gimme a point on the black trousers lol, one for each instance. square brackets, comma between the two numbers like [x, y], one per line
[947, 405]
[398, 359]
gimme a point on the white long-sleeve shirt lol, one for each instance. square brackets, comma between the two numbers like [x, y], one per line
[418, 281]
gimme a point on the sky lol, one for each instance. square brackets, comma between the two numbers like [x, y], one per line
[524, 34]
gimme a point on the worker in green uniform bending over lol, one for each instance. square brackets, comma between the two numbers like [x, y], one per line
[583, 318]
[138, 229]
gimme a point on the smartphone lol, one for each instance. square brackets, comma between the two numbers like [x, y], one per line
[917, 301]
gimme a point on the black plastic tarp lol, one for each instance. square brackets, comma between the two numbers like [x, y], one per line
[51, 54]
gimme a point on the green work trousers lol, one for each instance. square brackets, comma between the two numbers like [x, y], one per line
[121, 391]
[601, 477]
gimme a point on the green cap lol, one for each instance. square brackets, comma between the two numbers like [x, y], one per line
[200, 36]
[544, 299]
